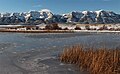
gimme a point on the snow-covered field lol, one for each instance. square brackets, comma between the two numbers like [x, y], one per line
[93, 28]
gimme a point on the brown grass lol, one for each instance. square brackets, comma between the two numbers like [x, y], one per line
[100, 61]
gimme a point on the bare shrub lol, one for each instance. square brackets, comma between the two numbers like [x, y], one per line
[53, 26]
[103, 28]
[77, 28]
[87, 27]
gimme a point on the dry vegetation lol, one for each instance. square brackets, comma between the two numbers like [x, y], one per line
[98, 61]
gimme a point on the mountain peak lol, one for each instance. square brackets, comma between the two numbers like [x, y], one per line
[45, 15]
[45, 10]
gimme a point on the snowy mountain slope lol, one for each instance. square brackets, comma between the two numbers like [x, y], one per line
[46, 16]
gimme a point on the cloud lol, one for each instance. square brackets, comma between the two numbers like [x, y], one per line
[37, 6]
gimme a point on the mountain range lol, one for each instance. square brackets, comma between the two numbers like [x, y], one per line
[46, 16]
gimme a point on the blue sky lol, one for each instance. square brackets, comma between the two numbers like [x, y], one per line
[59, 6]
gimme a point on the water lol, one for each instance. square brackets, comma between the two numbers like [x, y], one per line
[22, 53]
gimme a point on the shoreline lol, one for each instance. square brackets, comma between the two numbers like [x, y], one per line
[97, 31]
[59, 31]
[38, 31]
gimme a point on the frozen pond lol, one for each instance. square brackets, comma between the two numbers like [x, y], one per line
[37, 53]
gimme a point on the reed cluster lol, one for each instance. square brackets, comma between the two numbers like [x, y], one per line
[95, 61]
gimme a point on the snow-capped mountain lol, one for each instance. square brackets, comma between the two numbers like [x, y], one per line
[46, 16]
[101, 16]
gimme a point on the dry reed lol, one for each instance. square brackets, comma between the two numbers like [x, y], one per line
[98, 61]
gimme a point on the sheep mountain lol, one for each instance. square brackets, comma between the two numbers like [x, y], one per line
[46, 16]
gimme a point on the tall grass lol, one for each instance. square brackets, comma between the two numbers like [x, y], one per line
[98, 61]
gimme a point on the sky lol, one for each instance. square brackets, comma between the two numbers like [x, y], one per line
[59, 6]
